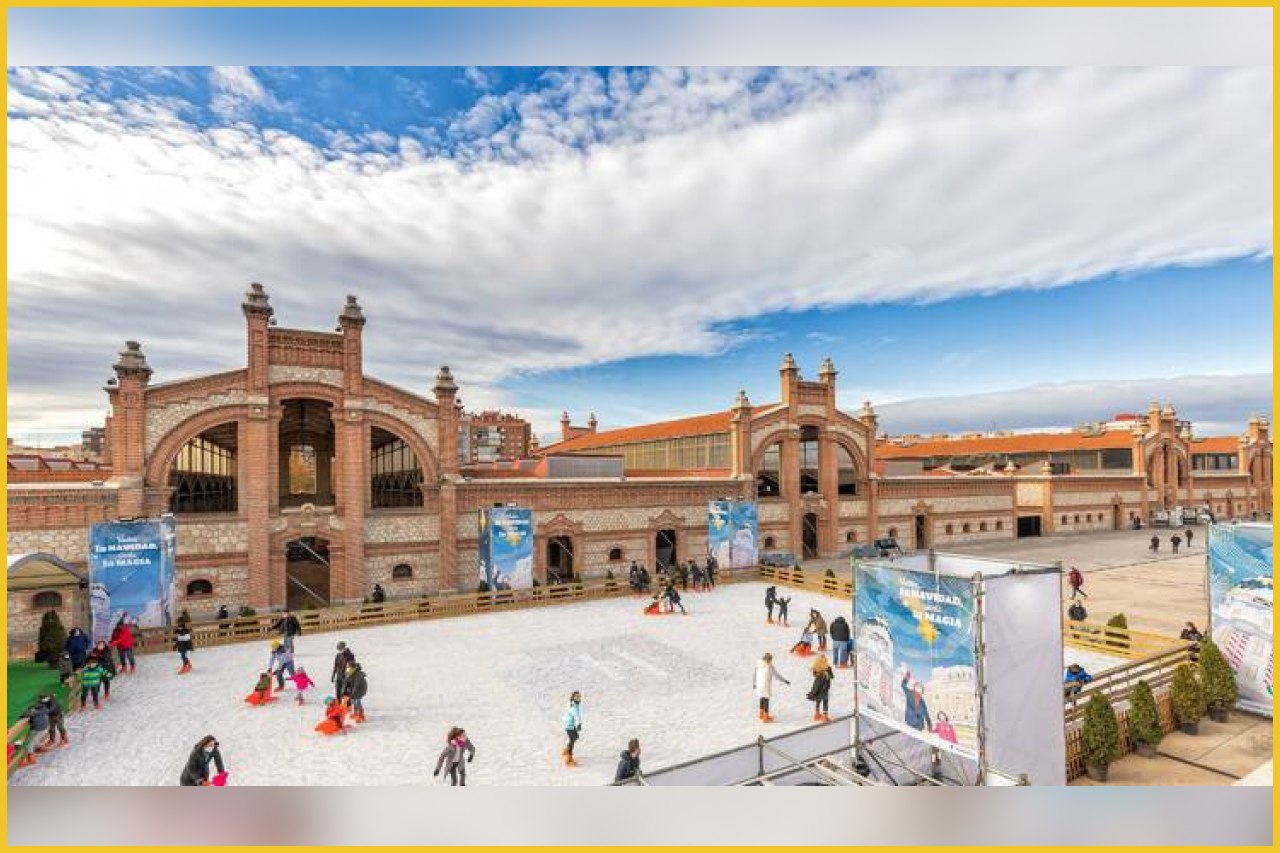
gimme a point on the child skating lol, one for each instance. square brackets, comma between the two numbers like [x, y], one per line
[301, 681]
[261, 694]
[335, 717]
[572, 724]
[804, 647]
[183, 644]
[783, 617]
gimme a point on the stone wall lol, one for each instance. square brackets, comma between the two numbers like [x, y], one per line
[163, 419]
[425, 579]
[230, 587]
[24, 617]
[397, 526]
[227, 535]
[69, 543]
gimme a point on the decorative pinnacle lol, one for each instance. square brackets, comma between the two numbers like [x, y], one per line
[351, 313]
[788, 363]
[444, 382]
[132, 361]
[256, 301]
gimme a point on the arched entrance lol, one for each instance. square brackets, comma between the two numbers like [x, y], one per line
[810, 535]
[307, 572]
[559, 559]
[664, 549]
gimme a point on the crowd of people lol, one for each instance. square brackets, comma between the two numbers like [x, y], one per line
[702, 575]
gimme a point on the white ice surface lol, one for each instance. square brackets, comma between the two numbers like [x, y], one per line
[682, 685]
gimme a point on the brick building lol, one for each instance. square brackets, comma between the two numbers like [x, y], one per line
[494, 437]
[300, 478]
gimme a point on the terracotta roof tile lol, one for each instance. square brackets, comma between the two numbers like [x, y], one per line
[1037, 442]
[1216, 444]
[680, 428]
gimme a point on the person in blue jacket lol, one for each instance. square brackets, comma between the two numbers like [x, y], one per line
[77, 646]
[917, 713]
[572, 727]
[1076, 679]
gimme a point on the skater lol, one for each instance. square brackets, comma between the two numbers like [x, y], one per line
[355, 686]
[1176, 540]
[698, 585]
[301, 681]
[712, 567]
[196, 770]
[122, 641]
[1189, 534]
[57, 720]
[343, 659]
[1076, 581]
[770, 599]
[684, 576]
[673, 599]
[572, 727]
[102, 652]
[820, 692]
[92, 677]
[628, 762]
[37, 717]
[765, 674]
[917, 712]
[289, 627]
[1155, 544]
[261, 694]
[379, 595]
[804, 647]
[655, 607]
[819, 626]
[281, 660]
[784, 618]
[456, 744]
[841, 642]
[633, 578]
[335, 716]
[77, 646]
[183, 644]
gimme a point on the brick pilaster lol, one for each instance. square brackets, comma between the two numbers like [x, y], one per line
[257, 448]
[446, 391]
[129, 419]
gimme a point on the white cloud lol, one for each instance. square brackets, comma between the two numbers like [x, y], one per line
[1215, 405]
[235, 91]
[612, 217]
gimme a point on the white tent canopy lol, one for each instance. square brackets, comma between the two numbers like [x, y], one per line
[41, 571]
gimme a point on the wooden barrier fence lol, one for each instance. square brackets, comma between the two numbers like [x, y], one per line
[1075, 734]
[18, 733]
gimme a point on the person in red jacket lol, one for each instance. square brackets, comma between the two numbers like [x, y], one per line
[122, 641]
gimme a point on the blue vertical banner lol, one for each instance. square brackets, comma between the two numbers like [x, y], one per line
[916, 661]
[1240, 566]
[733, 533]
[506, 547]
[131, 573]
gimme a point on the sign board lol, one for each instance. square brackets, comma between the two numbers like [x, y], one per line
[506, 547]
[1240, 575]
[131, 573]
[733, 533]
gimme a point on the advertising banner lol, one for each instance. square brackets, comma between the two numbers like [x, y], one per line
[1240, 566]
[733, 533]
[916, 664]
[506, 547]
[131, 574]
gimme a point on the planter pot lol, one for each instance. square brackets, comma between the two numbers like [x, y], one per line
[1096, 772]
[1146, 750]
[1189, 728]
[1219, 715]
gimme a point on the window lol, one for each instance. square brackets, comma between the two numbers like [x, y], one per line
[999, 525]
[769, 542]
[951, 529]
[1077, 518]
[848, 473]
[808, 460]
[203, 477]
[965, 528]
[851, 537]
[893, 533]
[47, 600]
[395, 478]
[982, 527]
[199, 586]
[402, 572]
[768, 478]
[302, 470]
[615, 555]
[1064, 519]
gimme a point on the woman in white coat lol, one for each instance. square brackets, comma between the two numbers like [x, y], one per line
[765, 674]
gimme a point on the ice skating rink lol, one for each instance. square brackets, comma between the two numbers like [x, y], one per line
[682, 685]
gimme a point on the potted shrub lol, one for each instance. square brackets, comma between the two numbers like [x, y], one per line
[609, 583]
[1218, 680]
[1188, 699]
[1144, 721]
[51, 640]
[1118, 639]
[1100, 738]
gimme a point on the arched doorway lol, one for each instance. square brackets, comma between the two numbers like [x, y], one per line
[307, 573]
[559, 559]
[810, 535]
[664, 549]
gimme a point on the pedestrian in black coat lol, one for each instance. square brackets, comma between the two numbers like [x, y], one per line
[355, 686]
[288, 626]
[343, 659]
[196, 771]
[57, 718]
[628, 762]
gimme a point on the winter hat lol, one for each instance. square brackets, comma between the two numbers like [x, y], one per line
[275, 644]
[342, 647]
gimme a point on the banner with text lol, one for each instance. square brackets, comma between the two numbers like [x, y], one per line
[916, 664]
[733, 533]
[1240, 568]
[131, 574]
[506, 548]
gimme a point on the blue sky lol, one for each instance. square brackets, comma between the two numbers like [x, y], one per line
[1037, 246]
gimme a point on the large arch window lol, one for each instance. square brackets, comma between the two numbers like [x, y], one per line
[769, 477]
[306, 453]
[203, 475]
[809, 481]
[395, 477]
[848, 484]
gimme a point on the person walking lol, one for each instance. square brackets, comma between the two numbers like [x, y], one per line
[628, 762]
[764, 676]
[281, 662]
[841, 642]
[77, 645]
[712, 567]
[572, 724]
[183, 644]
[1155, 544]
[343, 659]
[355, 686]
[820, 691]
[451, 760]
[196, 770]
[1189, 533]
[696, 570]
[1175, 541]
[1076, 581]
[819, 627]
[770, 599]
